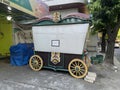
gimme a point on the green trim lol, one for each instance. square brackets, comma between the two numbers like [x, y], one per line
[61, 22]
[55, 69]
[16, 29]
[23, 3]
[44, 22]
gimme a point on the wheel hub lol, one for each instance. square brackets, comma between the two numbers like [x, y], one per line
[77, 68]
[35, 62]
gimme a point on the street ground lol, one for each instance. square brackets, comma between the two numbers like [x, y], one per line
[23, 78]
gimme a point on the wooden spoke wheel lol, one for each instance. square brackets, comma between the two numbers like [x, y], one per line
[87, 61]
[36, 63]
[77, 68]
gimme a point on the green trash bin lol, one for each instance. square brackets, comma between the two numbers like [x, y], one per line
[96, 59]
[100, 58]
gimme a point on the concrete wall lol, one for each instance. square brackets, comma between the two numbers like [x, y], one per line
[92, 42]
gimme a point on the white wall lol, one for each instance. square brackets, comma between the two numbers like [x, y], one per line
[59, 2]
[65, 12]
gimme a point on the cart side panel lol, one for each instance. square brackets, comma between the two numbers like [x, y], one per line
[70, 57]
[64, 60]
[68, 38]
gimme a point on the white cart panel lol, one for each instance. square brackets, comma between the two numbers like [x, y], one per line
[68, 38]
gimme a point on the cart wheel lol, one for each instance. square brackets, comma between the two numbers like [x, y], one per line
[87, 61]
[36, 63]
[77, 68]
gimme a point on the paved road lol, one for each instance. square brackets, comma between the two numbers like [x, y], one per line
[117, 53]
[23, 78]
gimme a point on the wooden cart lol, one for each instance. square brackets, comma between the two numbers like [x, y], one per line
[60, 45]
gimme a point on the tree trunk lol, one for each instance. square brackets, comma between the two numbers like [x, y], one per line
[109, 58]
[110, 52]
[103, 43]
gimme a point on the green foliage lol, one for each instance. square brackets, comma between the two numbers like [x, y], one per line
[106, 18]
[105, 13]
[118, 35]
